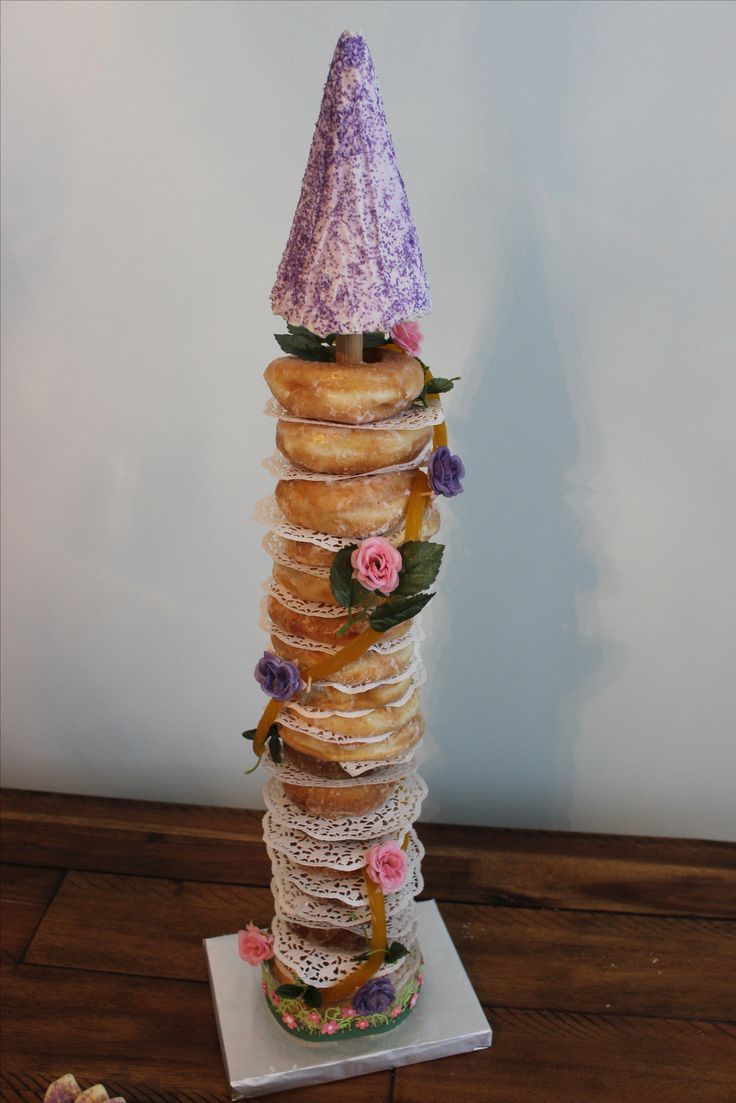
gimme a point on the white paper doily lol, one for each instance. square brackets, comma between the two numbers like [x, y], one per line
[364, 687]
[416, 417]
[267, 512]
[418, 678]
[347, 856]
[381, 647]
[299, 605]
[292, 775]
[282, 468]
[401, 807]
[299, 907]
[356, 769]
[349, 888]
[274, 545]
[340, 739]
[321, 967]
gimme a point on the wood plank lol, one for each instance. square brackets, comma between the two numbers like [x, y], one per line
[152, 1041]
[473, 864]
[557, 869]
[25, 892]
[581, 961]
[597, 962]
[152, 927]
[131, 836]
[550, 1057]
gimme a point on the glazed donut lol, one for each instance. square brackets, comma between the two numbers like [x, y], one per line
[333, 802]
[308, 587]
[340, 451]
[360, 507]
[370, 667]
[337, 938]
[398, 743]
[352, 394]
[321, 629]
[311, 555]
[324, 697]
[323, 767]
[376, 722]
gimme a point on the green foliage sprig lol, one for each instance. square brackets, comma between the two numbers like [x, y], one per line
[393, 953]
[311, 996]
[273, 742]
[301, 342]
[421, 561]
[435, 385]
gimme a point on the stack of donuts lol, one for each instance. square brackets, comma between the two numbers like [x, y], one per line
[344, 785]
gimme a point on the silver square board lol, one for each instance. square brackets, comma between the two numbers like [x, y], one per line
[261, 1058]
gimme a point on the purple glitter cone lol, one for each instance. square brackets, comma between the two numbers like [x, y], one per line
[352, 263]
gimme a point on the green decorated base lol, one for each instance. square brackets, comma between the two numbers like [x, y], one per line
[336, 1021]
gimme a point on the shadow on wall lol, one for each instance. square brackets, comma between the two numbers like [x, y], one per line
[514, 665]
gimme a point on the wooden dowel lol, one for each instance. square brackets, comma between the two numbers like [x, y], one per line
[349, 348]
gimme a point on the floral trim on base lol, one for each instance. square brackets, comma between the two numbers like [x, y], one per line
[338, 1020]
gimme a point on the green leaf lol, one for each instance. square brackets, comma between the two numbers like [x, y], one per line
[421, 562]
[374, 340]
[274, 744]
[367, 954]
[440, 385]
[290, 991]
[250, 734]
[395, 952]
[302, 331]
[396, 610]
[307, 348]
[312, 997]
[345, 589]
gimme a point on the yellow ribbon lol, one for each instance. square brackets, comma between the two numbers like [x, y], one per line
[316, 671]
[366, 969]
[379, 940]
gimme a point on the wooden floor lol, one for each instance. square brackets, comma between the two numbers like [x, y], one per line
[606, 964]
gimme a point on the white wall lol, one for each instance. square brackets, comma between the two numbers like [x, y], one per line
[571, 173]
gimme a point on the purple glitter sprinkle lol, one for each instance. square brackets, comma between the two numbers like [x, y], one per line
[352, 263]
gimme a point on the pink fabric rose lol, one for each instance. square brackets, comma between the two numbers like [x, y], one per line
[395, 1012]
[376, 564]
[349, 1013]
[414, 999]
[314, 1017]
[409, 336]
[329, 1028]
[386, 864]
[289, 1020]
[254, 945]
[361, 1023]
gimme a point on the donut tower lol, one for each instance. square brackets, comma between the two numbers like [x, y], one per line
[361, 458]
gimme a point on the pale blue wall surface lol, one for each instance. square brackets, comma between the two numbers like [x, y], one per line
[571, 170]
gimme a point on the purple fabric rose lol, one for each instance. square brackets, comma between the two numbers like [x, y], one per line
[445, 472]
[279, 678]
[375, 995]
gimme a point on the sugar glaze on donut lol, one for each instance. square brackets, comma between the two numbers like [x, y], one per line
[352, 394]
